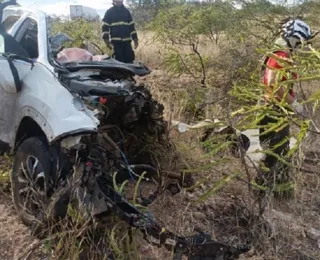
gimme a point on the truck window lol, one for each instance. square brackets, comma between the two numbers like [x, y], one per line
[9, 45]
[29, 40]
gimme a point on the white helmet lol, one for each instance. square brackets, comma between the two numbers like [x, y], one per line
[296, 28]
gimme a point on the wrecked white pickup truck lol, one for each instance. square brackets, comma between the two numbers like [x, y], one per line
[42, 102]
[68, 126]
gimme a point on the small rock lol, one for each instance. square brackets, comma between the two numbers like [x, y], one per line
[145, 249]
[314, 234]
[281, 215]
[190, 195]
[199, 207]
[199, 216]
[202, 186]
[251, 253]
[205, 206]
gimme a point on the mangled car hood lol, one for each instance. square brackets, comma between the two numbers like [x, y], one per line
[108, 64]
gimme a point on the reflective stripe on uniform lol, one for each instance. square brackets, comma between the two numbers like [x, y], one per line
[121, 23]
[120, 39]
[116, 39]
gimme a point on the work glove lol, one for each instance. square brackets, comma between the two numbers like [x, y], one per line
[297, 107]
[136, 43]
[109, 46]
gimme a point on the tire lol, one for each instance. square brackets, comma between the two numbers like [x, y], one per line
[3, 148]
[30, 180]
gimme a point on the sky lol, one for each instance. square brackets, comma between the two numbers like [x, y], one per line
[62, 7]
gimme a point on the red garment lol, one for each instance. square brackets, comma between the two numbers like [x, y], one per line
[273, 64]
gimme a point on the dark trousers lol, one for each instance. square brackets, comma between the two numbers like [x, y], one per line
[278, 171]
[123, 52]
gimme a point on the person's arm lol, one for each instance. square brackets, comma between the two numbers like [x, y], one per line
[106, 27]
[274, 72]
[132, 29]
[281, 91]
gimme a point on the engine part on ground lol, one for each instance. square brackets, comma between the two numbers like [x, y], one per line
[194, 247]
[240, 144]
[215, 124]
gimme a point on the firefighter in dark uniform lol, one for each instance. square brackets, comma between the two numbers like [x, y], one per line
[118, 29]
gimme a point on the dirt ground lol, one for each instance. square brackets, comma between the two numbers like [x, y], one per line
[226, 216]
[14, 236]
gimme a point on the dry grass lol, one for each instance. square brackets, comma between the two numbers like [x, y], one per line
[281, 232]
[149, 51]
[5, 166]
[232, 214]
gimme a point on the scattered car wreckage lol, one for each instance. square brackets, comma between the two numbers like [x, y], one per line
[239, 142]
[68, 125]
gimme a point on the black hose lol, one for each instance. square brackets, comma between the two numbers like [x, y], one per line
[143, 166]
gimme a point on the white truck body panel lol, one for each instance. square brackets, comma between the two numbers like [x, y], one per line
[42, 97]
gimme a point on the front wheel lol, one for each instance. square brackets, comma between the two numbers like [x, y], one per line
[30, 180]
